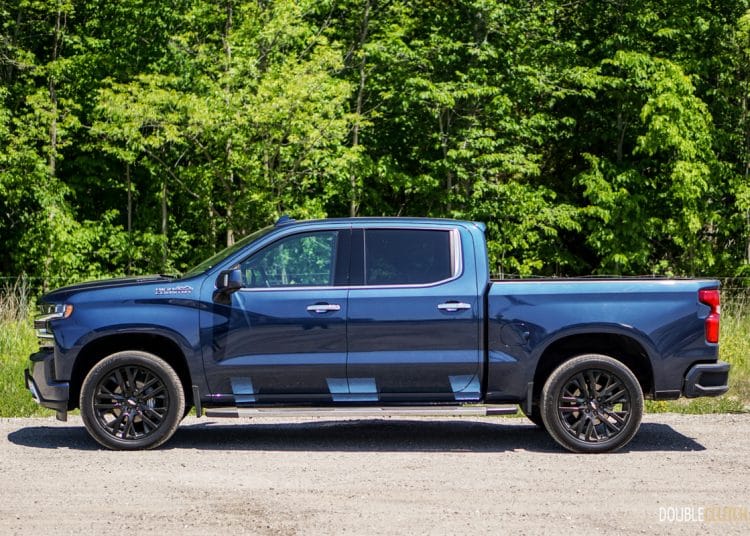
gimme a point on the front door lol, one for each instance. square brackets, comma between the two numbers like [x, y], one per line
[282, 338]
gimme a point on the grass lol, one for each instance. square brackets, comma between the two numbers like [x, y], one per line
[17, 341]
[735, 349]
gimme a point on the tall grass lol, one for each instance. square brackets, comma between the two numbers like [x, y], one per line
[17, 341]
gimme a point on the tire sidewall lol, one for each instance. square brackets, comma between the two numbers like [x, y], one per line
[155, 365]
[560, 377]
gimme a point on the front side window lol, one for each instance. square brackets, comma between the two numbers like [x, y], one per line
[408, 256]
[303, 260]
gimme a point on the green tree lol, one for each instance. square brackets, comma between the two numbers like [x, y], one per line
[247, 137]
[649, 203]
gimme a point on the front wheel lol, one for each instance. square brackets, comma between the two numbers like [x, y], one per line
[132, 400]
[592, 403]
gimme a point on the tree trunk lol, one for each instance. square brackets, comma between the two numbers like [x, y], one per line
[56, 38]
[353, 197]
[444, 119]
[130, 214]
[746, 156]
[52, 130]
[164, 221]
[229, 180]
[621, 139]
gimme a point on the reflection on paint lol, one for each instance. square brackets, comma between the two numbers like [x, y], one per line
[353, 389]
[465, 387]
[243, 390]
[501, 357]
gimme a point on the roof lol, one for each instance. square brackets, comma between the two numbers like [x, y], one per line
[286, 220]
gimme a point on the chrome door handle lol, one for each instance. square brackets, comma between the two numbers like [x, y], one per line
[452, 307]
[323, 307]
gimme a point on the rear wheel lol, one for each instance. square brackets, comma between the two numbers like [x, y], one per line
[132, 400]
[592, 403]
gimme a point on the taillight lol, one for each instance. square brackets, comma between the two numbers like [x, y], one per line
[711, 298]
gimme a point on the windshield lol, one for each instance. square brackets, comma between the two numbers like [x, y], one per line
[223, 254]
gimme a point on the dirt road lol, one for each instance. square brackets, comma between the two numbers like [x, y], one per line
[417, 476]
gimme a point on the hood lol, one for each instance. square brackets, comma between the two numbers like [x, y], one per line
[62, 294]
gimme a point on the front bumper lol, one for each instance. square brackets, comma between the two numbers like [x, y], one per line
[47, 391]
[706, 379]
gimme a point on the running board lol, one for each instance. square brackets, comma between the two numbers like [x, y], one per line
[379, 411]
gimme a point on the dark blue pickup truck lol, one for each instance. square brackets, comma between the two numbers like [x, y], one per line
[372, 316]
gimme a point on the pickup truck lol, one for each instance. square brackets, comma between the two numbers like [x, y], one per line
[372, 316]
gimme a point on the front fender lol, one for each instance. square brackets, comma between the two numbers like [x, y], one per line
[90, 324]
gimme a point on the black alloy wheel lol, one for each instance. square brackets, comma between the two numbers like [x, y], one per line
[592, 403]
[132, 400]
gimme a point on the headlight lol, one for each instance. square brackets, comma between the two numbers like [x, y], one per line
[50, 311]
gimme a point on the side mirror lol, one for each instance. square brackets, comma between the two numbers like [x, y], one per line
[229, 281]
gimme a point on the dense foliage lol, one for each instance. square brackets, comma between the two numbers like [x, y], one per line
[592, 136]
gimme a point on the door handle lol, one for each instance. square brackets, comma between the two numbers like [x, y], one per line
[452, 307]
[323, 307]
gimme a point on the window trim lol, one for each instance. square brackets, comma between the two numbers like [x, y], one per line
[457, 260]
[456, 257]
[336, 253]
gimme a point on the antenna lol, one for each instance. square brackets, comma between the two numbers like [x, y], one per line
[284, 220]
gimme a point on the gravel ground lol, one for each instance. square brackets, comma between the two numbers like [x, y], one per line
[386, 476]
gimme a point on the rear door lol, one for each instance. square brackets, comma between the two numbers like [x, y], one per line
[414, 329]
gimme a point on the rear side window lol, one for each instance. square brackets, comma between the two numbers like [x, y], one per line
[408, 256]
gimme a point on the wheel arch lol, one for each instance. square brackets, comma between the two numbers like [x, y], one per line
[158, 344]
[623, 347]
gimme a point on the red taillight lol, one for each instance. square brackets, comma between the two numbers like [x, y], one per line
[711, 298]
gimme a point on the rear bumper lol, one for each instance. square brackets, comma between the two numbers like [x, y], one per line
[44, 388]
[706, 379]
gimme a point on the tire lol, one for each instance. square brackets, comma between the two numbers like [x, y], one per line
[592, 403]
[132, 401]
[536, 414]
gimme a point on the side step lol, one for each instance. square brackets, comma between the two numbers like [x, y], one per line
[364, 411]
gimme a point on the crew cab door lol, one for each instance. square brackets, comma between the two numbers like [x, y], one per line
[282, 336]
[414, 329]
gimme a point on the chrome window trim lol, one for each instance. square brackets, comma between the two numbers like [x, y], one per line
[456, 262]
[277, 289]
[456, 257]
[290, 235]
